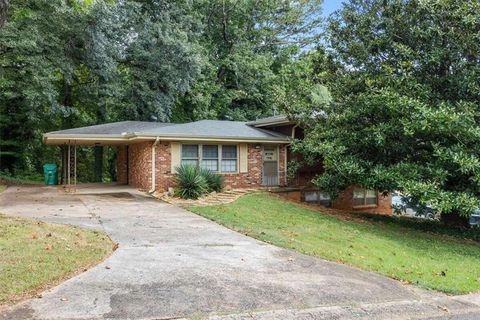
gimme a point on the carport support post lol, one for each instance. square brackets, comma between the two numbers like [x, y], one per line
[64, 164]
[68, 166]
[75, 166]
[154, 152]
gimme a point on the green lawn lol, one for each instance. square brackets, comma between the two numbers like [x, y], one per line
[35, 255]
[422, 253]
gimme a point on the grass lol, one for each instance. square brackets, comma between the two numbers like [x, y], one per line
[425, 253]
[24, 179]
[2, 187]
[35, 255]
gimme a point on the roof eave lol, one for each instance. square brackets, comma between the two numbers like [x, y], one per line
[215, 138]
[132, 137]
[270, 122]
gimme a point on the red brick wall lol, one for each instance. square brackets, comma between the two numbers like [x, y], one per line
[252, 178]
[139, 165]
[163, 166]
[122, 165]
[345, 202]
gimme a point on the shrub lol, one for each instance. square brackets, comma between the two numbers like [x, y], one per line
[214, 180]
[193, 182]
[190, 181]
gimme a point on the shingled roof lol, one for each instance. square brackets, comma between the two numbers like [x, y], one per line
[119, 132]
[115, 128]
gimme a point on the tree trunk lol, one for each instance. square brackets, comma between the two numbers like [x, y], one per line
[98, 152]
[3, 12]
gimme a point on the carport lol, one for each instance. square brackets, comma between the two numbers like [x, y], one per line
[111, 134]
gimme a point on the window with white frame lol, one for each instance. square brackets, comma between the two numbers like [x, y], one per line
[217, 158]
[364, 197]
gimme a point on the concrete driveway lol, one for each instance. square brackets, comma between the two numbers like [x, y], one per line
[172, 264]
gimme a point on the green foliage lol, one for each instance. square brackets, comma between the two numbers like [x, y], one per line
[66, 64]
[21, 177]
[247, 44]
[214, 180]
[421, 252]
[404, 113]
[191, 183]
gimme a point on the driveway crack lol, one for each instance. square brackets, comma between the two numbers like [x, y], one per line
[93, 214]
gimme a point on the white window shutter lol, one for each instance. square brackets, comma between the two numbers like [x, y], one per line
[243, 157]
[175, 156]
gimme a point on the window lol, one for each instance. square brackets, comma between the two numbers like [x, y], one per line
[319, 197]
[229, 158]
[190, 154]
[210, 157]
[364, 197]
[218, 158]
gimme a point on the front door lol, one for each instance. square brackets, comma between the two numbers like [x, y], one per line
[270, 166]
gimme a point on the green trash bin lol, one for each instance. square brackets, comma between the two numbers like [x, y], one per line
[50, 174]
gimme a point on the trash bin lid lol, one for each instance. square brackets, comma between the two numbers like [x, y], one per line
[49, 166]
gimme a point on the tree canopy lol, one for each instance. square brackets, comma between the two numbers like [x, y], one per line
[404, 109]
[75, 63]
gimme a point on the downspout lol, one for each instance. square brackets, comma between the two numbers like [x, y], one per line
[293, 131]
[154, 148]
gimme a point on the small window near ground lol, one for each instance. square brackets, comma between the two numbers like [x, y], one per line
[229, 158]
[364, 197]
[319, 197]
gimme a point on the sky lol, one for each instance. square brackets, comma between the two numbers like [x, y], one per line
[331, 5]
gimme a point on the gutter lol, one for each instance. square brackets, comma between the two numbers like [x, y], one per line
[154, 148]
[63, 138]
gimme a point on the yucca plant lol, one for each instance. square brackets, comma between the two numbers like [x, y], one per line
[191, 184]
[214, 180]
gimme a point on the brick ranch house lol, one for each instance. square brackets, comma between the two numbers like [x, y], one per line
[248, 154]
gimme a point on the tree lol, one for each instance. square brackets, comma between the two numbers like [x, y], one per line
[3, 12]
[75, 63]
[406, 102]
[246, 44]
[35, 61]
[162, 58]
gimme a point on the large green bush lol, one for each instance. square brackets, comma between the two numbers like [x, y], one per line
[193, 182]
